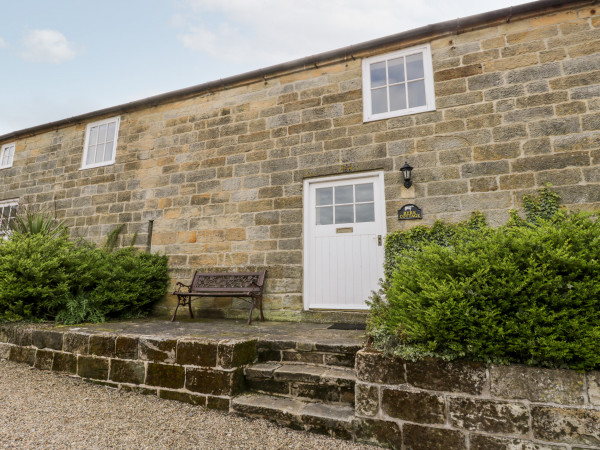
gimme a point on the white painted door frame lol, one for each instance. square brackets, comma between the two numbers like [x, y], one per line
[309, 233]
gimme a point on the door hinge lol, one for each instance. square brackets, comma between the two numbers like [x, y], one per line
[379, 240]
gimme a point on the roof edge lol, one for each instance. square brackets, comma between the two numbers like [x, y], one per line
[440, 28]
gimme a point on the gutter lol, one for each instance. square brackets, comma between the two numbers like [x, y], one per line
[455, 26]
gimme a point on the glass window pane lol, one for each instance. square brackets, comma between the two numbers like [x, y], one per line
[99, 153]
[93, 136]
[4, 158]
[343, 194]
[344, 214]
[91, 154]
[108, 151]
[379, 101]
[102, 134]
[397, 97]
[365, 212]
[378, 74]
[110, 134]
[396, 70]
[414, 66]
[325, 215]
[416, 93]
[364, 192]
[324, 196]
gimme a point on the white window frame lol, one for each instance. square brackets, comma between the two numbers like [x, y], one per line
[428, 76]
[4, 230]
[7, 148]
[117, 121]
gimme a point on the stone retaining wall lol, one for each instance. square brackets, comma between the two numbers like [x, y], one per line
[433, 404]
[205, 372]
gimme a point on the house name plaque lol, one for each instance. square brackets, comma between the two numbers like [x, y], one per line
[410, 212]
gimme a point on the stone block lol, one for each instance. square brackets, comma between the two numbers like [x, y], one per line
[489, 152]
[184, 397]
[47, 339]
[378, 432]
[102, 345]
[554, 127]
[304, 357]
[236, 353]
[218, 403]
[126, 347]
[486, 184]
[157, 350]
[127, 371]
[94, 368]
[214, 382]
[455, 376]
[459, 72]
[593, 383]
[417, 437]
[20, 336]
[22, 355]
[567, 425]
[64, 362]
[483, 442]
[554, 161]
[420, 407]
[4, 350]
[76, 343]
[484, 168]
[165, 375]
[268, 385]
[376, 367]
[44, 359]
[197, 353]
[488, 415]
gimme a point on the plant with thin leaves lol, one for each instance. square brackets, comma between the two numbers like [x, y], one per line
[30, 221]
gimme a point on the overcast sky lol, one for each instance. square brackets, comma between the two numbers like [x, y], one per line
[61, 58]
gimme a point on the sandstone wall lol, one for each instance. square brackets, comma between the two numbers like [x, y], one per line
[220, 174]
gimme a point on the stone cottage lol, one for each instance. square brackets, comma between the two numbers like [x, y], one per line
[296, 168]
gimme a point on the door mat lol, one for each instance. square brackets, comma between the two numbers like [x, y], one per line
[348, 326]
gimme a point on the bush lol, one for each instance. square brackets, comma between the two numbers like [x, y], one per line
[46, 277]
[527, 292]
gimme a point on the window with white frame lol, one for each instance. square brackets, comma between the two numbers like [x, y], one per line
[398, 83]
[7, 155]
[100, 143]
[8, 210]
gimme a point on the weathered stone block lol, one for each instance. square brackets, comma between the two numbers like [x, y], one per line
[47, 339]
[4, 350]
[305, 357]
[221, 404]
[376, 367]
[44, 359]
[127, 371]
[593, 382]
[22, 355]
[215, 382]
[268, 385]
[64, 362]
[94, 368]
[417, 437]
[483, 442]
[76, 343]
[554, 161]
[568, 425]
[102, 345]
[20, 336]
[196, 353]
[419, 407]
[157, 350]
[184, 397]
[165, 375]
[126, 347]
[488, 415]
[455, 376]
[379, 432]
[236, 353]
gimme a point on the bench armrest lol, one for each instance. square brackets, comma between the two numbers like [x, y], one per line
[181, 285]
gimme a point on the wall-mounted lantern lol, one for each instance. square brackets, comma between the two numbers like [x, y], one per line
[406, 170]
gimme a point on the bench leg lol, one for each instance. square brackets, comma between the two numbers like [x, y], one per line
[190, 307]
[175, 312]
[251, 309]
[260, 299]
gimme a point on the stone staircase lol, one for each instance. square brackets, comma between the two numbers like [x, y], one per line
[308, 386]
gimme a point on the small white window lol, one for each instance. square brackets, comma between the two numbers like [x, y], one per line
[100, 143]
[7, 155]
[397, 84]
[8, 209]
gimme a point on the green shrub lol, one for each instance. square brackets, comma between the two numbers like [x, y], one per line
[527, 292]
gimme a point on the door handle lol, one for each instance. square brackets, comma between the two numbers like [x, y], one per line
[379, 240]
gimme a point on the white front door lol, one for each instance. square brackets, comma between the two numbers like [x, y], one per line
[344, 226]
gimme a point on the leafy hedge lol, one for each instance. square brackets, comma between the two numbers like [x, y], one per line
[527, 292]
[46, 277]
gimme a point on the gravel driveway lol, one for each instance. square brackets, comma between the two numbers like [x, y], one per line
[41, 409]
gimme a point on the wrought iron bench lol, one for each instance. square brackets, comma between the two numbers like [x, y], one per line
[225, 284]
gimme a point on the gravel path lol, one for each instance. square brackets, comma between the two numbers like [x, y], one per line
[40, 409]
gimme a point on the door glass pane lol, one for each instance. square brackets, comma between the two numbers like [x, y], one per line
[93, 136]
[364, 192]
[325, 215]
[378, 74]
[343, 194]
[416, 93]
[379, 101]
[91, 155]
[397, 97]
[344, 214]
[396, 70]
[108, 151]
[324, 196]
[99, 153]
[414, 66]
[102, 134]
[365, 212]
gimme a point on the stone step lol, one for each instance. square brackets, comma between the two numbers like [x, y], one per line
[325, 353]
[303, 381]
[331, 419]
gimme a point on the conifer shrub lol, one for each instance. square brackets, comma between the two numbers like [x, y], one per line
[527, 292]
